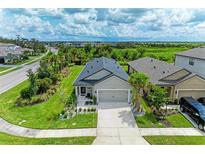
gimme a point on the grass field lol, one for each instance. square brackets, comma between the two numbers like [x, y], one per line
[176, 140]
[4, 68]
[44, 115]
[165, 53]
[6, 139]
[29, 60]
[149, 119]
[10, 71]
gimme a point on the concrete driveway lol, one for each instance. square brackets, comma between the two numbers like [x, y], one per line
[116, 125]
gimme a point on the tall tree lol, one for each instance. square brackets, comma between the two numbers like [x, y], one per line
[138, 81]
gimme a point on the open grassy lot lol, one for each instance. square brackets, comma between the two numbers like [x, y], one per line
[165, 53]
[149, 119]
[11, 70]
[44, 115]
[15, 140]
[4, 68]
[176, 140]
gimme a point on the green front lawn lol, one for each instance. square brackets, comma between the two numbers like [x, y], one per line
[15, 140]
[45, 115]
[178, 120]
[149, 119]
[176, 140]
[4, 68]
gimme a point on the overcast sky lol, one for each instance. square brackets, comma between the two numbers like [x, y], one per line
[104, 24]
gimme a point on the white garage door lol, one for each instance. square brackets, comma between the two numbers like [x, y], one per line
[107, 96]
[193, 93]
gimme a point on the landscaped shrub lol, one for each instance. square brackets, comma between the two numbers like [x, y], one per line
[22, 102]
[26, 93]
[89, 103]
[36, 100]
[84, 110]
[43, 85]
[89, 110]
[94, 100]
[93, 109]
[79, 110]
[55, 78]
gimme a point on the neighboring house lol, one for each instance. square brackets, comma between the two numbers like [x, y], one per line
[178, 81]
[192, 60]
[104, 79]
[9, 52]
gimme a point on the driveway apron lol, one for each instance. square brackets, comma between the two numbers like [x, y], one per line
[116, 125]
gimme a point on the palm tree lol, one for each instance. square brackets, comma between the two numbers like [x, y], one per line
[138, 81]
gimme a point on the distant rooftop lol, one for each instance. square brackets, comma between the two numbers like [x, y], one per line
[6, 49]
[194, 53]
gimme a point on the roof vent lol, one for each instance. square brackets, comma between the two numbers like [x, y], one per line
[154, 67]
[97, 61]
[118, 67]
[151, 60]
[163, 72]
[88, 71]
[91, 67]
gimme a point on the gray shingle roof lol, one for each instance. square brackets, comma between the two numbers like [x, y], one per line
[154, 68]
[194, 53]
[96, 65]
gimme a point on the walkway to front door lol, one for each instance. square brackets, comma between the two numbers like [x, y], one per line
[116, 125]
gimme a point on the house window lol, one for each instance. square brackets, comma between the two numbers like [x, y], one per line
[83, 91]
[191, 61]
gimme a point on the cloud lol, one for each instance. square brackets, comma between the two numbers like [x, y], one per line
[104, 24]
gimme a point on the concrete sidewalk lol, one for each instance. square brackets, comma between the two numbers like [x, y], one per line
[11, 129]
[171, 132]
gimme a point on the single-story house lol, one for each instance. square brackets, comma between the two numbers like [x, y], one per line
[9, 52]
[192, 60]
[178, 81]
[104, 79]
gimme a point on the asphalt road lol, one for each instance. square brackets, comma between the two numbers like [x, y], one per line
[12, 79]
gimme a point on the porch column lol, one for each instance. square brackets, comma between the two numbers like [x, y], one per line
[79, 91]
[97, 96]
[128, 96]
[76, 90]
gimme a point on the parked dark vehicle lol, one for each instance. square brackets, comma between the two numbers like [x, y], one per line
[201, 100]
[194, 109]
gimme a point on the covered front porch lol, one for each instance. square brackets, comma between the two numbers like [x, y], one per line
[84, 93]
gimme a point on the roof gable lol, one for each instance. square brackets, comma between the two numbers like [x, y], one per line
[98, 64]
[176, 75]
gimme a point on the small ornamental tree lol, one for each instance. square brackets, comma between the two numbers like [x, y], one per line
[157, 98]
[33, 82]
[138, 81]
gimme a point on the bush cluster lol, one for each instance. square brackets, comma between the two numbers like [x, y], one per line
[86, 110]
[43, 83]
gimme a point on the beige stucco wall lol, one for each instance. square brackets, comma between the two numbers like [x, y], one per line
[112, 83]
[194, 84]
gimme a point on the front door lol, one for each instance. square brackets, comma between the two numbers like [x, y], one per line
[83, 91]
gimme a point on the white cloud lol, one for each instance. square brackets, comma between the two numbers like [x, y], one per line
[139, 23]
